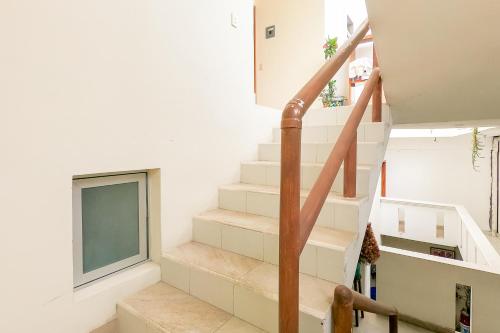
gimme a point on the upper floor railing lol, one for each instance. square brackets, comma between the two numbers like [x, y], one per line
[296, 224]
[437, 223]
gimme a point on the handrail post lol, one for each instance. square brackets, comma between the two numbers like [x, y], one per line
[377, 93]
[393, 323]
[289, 235]
[350, 166]
[343, 300]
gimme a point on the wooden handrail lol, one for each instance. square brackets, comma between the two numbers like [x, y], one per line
[296, 224]
[300, 103]
[345, 300]
[319, 192]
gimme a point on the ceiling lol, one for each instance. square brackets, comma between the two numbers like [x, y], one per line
[440, 60]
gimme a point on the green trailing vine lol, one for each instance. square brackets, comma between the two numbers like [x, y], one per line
[477, 146]
[328, 95]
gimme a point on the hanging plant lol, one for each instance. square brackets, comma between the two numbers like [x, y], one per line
[477, 146]
[328, 95]
[370, 251]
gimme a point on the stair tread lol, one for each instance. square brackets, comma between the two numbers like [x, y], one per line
[333, 197]
[276, 163]
[316, 295]
[320, 236]
[375, 143]
[172, 310]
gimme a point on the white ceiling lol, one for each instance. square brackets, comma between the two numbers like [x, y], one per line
[440, 59]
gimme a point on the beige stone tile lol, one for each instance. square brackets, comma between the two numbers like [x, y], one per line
[331, 265]
[110, 327]
[269, 152]
[255, 308]
[310, 173]
[271, 249]
[273, 175]
[211, 288]
[207, 232]
[346, 216]
[314, 134]
[208, 258]
[162, 308]
[309, 260]
[253, 173]
[243, 241]
[261, 203]
[232, 199]
[235, 325]
[175, 274]
[309, 152]
[316, 295]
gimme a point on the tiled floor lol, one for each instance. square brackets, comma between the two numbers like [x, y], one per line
[379, 324]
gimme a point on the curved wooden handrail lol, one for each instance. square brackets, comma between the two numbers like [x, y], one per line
[363, 303]
[319, 192]
[300, 103]
[345, 300]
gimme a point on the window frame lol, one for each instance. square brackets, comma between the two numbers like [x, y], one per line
[79, 277]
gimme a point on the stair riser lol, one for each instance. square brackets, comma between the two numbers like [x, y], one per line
[234, 298]
[325, 263]
[341, 215]
[318, 134]
[131, 322]
[262, 174]
[368, 153]
[339, 116]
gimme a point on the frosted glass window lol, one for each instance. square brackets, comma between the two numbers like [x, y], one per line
[109, 225]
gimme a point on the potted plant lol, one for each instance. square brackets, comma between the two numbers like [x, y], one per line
[328, 95]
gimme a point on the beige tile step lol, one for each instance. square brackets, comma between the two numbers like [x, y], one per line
[318, 152]
[268, 173]
[348, 214]
[339, 115]
[375, 132]
[245, 287]
[162, 308]
[326, 254]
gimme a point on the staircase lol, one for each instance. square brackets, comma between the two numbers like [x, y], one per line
[226, 279]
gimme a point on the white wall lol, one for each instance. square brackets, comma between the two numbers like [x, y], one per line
[286, 62]
[93, 86]
[441, 171]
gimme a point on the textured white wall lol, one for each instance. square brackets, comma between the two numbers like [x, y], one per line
[93, 86]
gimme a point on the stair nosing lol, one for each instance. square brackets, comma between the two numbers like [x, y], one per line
[317, 313]
[310, 241]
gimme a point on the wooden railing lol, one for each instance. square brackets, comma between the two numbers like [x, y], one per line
[296, 224]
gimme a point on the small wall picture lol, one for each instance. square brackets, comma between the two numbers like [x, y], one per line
[463, 309]
[444, 253]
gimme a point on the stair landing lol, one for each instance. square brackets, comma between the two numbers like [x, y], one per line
[162, 308]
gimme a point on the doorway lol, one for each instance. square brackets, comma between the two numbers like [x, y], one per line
[495, 191]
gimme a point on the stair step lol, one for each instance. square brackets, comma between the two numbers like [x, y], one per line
[368, 152]
[163, 308]
[325, 256]
[375, 132]
[268, 173]
[245, 287]
[348, 214]
[339, 115]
